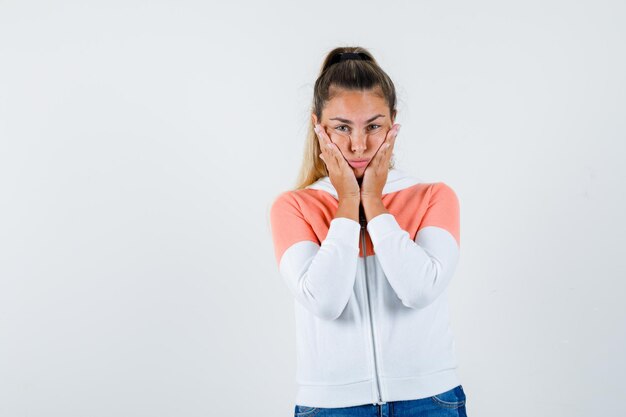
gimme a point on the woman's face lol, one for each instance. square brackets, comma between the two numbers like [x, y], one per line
[357, 122]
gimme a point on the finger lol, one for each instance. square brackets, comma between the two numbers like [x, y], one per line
[391, 139]
[389, 145]
[320, 139]
[325, 146]
[326, 139]
[331, 147]
[392, 133]
[342, 162]
[328, 146]
[384, 151]
[380, 152]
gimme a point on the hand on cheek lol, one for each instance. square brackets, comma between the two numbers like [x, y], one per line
[339, 171]
[375, 176]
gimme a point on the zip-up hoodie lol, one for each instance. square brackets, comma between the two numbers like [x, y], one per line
[371, 307]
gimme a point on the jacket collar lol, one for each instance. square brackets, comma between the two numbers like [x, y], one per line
[396, 180]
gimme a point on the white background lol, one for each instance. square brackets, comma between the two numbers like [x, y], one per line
[142, 143]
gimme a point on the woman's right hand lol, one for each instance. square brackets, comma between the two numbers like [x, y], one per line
[339, 171]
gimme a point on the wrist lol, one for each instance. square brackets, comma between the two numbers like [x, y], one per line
[371, 199]
[352, 199]
[348, 207]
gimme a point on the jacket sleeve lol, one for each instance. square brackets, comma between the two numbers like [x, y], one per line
[419, 271]
[321, 277]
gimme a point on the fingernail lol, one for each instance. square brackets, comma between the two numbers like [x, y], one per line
[329, 146]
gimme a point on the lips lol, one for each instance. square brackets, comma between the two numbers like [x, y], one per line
[358, 163]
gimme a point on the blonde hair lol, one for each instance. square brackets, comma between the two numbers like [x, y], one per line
[351, 74]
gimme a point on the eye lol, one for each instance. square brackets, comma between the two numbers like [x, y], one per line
[339, 128]
[374, 128]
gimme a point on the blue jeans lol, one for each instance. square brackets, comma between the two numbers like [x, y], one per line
[447, 404]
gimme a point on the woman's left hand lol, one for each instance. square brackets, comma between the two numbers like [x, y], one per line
[375, 175]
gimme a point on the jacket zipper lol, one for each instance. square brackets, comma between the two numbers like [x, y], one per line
[369, 306]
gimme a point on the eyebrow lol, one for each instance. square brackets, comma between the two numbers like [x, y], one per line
[350, 122]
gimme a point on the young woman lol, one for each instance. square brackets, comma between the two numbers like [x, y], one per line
[368, 253]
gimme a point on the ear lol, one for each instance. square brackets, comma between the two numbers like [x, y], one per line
[313, 119]
[393, 116]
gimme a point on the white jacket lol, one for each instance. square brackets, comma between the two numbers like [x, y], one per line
[374, 328]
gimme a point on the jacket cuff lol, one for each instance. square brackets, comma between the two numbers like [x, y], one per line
[381, 226]
[344, 230]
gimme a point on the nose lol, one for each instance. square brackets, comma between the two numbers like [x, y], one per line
[358, 142]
